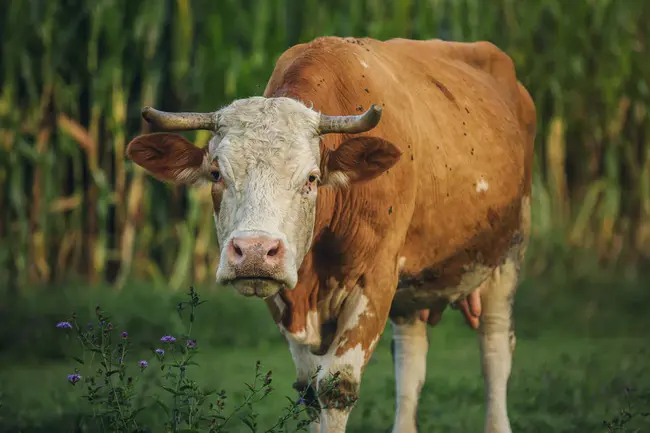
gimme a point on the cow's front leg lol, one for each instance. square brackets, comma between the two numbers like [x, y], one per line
[307, 365]
[300, 343]
[359, 328]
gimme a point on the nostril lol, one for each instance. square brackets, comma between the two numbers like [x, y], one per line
[237, 250]
[276, 248]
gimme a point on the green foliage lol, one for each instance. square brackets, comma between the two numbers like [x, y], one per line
[580, 362]
[116, 401]
[75, 75]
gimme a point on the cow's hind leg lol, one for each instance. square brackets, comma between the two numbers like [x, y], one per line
[497, 343]
[409, 347]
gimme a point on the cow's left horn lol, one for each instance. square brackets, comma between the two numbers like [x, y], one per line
[179, 121]
[350, 124]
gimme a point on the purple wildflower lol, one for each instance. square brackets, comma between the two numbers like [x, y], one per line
[143, 364]
[121, 359]
[191, 344]
[125, 334]
[74, 378]
[64, 325]
[168, 339]
[90, 325]
[160, 352]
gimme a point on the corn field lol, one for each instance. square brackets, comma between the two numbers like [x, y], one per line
[75, 73]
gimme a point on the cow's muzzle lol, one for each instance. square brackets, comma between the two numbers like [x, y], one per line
[255, 265]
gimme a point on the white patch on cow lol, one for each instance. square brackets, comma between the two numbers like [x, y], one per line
[311, 334]
[481, 185]
[469, 281]
[364, 64]
[400, 263]
[308, 336]
[338, 179]
[305, 362]
[410, 361]
[279, 303]
[314, 427]
[473, 276]
[349, 362]
[266, 148]
[349, 318]
[334, 420]
[196, 176]
[373, 343]
[353, 359]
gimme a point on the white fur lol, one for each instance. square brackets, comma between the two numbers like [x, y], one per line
[266, 149]
[305, 362]
[314, 427]
[475, 275]
[495, 343]
[311, 334]
[481, 185]
[334, 420]
[338, 179]
[353, 359]
[196, 177]
[410, 359]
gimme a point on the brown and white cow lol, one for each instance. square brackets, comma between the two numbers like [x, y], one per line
[341, 214]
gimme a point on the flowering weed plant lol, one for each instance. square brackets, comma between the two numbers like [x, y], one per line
[109, 377]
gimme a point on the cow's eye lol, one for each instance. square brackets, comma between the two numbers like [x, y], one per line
[216, 175]
[314, 177]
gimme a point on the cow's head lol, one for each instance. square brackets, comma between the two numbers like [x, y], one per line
[265, 166]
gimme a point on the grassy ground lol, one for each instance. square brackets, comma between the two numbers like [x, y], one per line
[582, 357]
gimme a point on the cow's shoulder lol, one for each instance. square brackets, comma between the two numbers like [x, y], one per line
[283, 63]
[309, 69]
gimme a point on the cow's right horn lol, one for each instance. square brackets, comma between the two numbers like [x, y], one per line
[350, 124]
[180, 121]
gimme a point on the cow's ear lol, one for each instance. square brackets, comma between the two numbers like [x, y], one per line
[171, 158]
[360, 159]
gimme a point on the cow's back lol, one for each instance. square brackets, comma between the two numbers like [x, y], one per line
[464, 125]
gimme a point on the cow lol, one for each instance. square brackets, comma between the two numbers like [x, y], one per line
[372, 180]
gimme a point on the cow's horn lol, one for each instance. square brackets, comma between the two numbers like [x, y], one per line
[350, 124]
[179, 121]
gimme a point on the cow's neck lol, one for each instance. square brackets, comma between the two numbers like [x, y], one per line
[308, 314]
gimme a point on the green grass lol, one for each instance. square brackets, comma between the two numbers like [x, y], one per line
[580, 345]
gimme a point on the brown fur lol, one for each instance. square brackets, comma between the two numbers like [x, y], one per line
[170, 158]
[456, 112]
[164, 154]
[362, 158]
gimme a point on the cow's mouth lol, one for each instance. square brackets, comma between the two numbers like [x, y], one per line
[261, 287]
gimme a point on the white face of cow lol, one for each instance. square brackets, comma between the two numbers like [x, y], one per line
[268, 156]
[264, 163]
